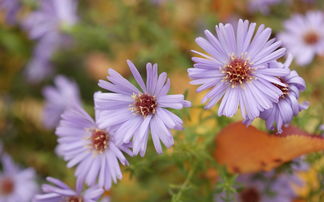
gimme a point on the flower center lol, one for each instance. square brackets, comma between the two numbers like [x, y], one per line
[250, 195]
[144, 104]
[311, 38]
[7, 186]
[99, 140]
[237, 72]
[74, 199]
[284, 89]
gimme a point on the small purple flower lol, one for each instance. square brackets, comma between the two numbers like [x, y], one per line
[136, 113]
[64, 95]
[304, 36]
[271, 186]
[52, 16]
[48, 25]
[61, 192]
[82, 142]
[16, 184]
[237, 69]
[262, 6]
[11, 7]
[282, 112]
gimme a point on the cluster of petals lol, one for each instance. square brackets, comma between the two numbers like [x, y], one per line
[237, 69]
[135, 113]
[59, 192]
[58, 98]
[242, 71]
[282, 112]
[93, 149]
[16, 184]
[47, 25]
[124, 119]
[304, 36]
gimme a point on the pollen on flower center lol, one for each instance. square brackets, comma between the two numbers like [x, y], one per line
[311, 38]
[144, 104]
[74, 199]
[250, 195]
[99, 140]
[237, 71]
[6, 186]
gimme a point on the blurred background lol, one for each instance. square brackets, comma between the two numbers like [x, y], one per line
[102, 34]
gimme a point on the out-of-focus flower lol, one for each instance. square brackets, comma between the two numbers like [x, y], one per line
[16, 184]
[262, 6]
[64, 95]
[304, 36]
[52, 16]
[237, 69]
[271, 186]
[61, 192]
[322, 127]
[48, 25]
[11, 7]
[282, 112]
[93, 149]
[136, 113]
[37, 69]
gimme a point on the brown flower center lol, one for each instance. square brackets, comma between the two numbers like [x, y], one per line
[144, 104]
[99, 140]
[237, 72]
[7, 186]
[250, 195]
[74, 199]
[284, 89]
[311, 38]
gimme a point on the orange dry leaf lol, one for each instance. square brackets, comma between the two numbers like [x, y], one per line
[246, 149]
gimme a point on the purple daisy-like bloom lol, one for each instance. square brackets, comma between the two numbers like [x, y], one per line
[11, 7]
[52, 16]
[16, 184]
[282, 112]
[134, 113]
[304, 36]
[262, 6]
[48, 25]
[61, 192]
[237, 69]
[64, 95]
[82, 142]
[271, 186]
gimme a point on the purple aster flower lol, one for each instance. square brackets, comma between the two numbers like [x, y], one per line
[237, 69]
[282, 112]
[304, 36]
[93, 149]
[262, 6]
[64, 95]
[11, 7]
[60, 192]
[271, 186]
[16, 184]
[48, 25]
[136, 113]
[52, 16]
